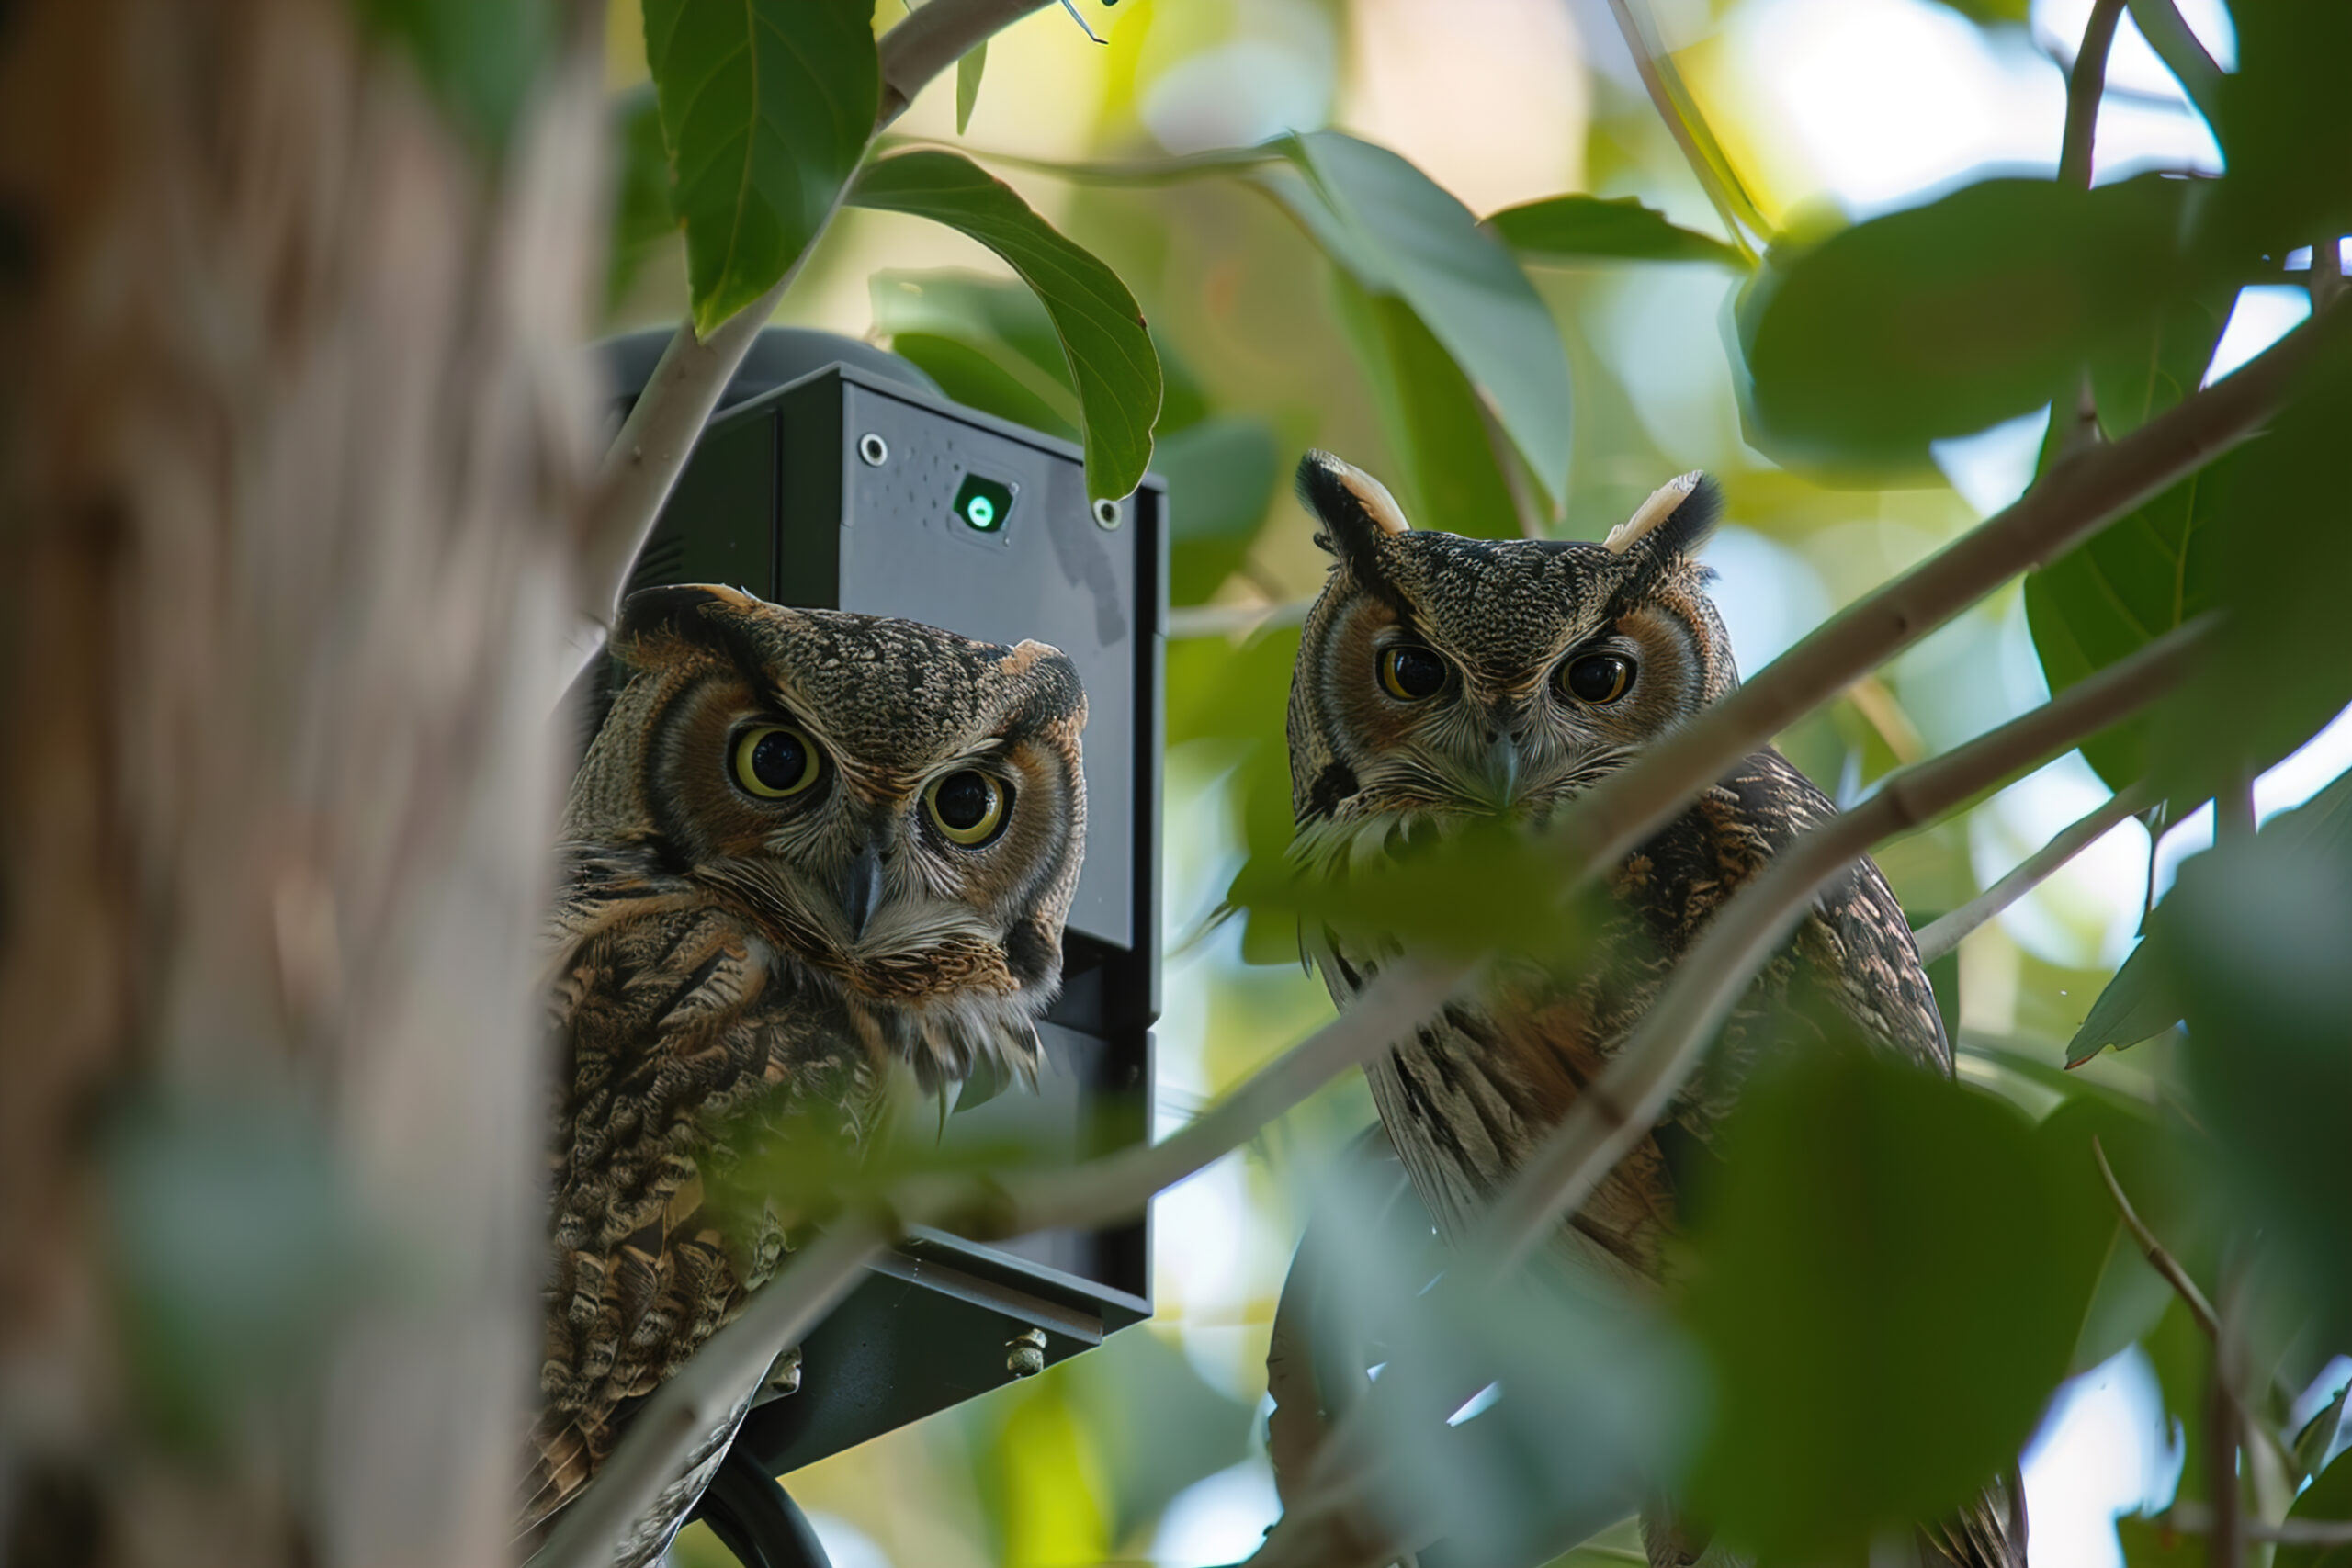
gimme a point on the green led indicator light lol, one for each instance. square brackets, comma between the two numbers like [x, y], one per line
[984, 504]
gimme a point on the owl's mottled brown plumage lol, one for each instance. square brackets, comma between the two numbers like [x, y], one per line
[730, 963]
[1442, 678]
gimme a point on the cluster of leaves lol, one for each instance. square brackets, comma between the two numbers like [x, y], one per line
[1898, 1273]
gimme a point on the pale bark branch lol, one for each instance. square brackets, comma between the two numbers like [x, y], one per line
[1941, 936]
[2195, 1518]
[2085, 85]
[2070, 503]
[2160, 23]
[661, 429]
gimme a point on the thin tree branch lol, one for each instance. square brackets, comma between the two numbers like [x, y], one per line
[661, 429]
[1617, 1110]
[688, 1408]
[1654, 1064]
[2195, 1518]
[2071, 502]
[1942, 936]
[2160, 23]
[2154, 1250]
[2085, 85]
[2326, 280]
[2225, 1536]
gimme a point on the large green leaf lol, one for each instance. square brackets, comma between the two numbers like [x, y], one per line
[1112, 363]
[2329, 1498]
[1889, 1282]
[1941, 320]
[766, 106]
[2147, 572]
[1451, 476]
[1586, 228]
[986, 340]
[2279, 118]
[2147, 996]
[1401, 235]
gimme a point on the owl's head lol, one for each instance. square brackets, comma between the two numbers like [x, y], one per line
[897, 807]
[1444, 676]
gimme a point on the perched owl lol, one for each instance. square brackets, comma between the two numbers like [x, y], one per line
[1441, 678]
[804, 845]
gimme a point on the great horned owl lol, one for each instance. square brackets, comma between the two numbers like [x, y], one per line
[804, 845]
[1441, 678]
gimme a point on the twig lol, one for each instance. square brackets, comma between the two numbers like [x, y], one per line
[1942, 936]
[2160, 23]
[1234, 620]
[705, 1390]
[2070, 503]
[1730, 207]
[2225, 1536]
[2158, 1258]
[661, 429]
[2085, 85]
[1608, 1118]
[2326, 280]
[2195, 1518]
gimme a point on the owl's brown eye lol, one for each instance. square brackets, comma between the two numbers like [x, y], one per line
[1409, 673]
[774, 761]
[968, 806]
[1597, 678]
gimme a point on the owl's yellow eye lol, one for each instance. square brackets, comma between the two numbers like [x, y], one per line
[1597, 678]
[774, 761]
[968, 806]
[1409, 673]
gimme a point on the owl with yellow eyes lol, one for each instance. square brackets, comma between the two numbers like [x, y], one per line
[805, 849]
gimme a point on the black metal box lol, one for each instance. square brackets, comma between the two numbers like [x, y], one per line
[852, 488]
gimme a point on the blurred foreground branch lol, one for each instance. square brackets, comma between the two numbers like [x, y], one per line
[661, 429]
[1615, 1113]
[685, 1409]
[1941, 936]
[2195, 1518]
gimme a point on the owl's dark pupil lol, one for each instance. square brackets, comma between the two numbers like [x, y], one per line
[1599, 678]
[1418, 671]
[963, 800]
[779, 758]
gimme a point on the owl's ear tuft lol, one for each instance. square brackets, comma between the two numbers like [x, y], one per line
[696, 613]
[1675, 521]
[1355, 509]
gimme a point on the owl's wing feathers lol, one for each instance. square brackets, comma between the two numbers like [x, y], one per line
[667, 1019]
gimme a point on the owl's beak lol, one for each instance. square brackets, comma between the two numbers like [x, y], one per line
[862, 890]
[1501, 770]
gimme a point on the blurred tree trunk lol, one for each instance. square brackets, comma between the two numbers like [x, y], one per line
[291, 423]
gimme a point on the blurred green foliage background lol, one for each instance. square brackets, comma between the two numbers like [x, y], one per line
[1289, 308]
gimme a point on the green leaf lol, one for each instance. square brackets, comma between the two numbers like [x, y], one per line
[997, 315]
[478, 58]
[1111, 360]
[976, 379]
[1888, 1288]
[1401, 235]
[2146, 998]
[2279, 118]
[1221, 476]
[1946, 319]
[1579, 228]
[767, 108]
[1449, 473]
[967, 84]
[2329, 1498]
[642, 217]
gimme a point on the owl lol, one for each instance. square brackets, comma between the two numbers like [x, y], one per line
[805, 847]
[1441, 678]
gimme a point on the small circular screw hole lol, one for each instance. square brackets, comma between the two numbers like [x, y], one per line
[1106, 513]
[873, 449]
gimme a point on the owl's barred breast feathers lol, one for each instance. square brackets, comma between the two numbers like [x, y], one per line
[1443, 678]
[805, 847]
